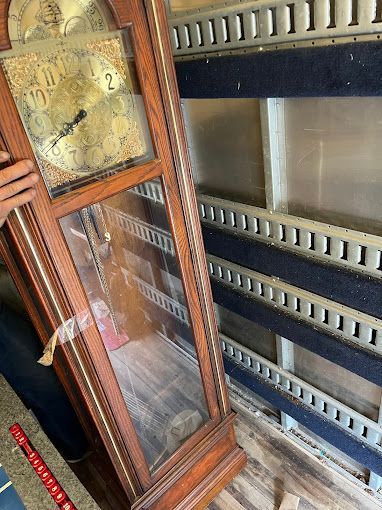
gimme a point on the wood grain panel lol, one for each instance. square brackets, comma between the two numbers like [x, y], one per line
[101, 190]
[200, 476]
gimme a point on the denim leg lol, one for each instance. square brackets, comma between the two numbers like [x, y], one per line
[38, 386]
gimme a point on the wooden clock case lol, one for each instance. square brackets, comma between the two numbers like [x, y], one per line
[33, 246]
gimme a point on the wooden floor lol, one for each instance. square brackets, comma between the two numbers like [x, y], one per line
[277, 465]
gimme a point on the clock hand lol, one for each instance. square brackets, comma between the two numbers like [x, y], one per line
[66, 130]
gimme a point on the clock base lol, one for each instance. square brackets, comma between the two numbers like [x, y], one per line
[202, 475]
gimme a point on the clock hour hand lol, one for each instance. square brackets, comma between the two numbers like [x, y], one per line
[66, 130]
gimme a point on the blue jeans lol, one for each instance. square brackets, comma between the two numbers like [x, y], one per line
[38, 386]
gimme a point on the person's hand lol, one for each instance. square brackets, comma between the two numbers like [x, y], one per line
[16, 185]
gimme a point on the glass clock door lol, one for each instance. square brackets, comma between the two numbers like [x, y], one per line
[125, 256]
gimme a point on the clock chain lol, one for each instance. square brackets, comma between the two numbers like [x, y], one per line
[89, 220]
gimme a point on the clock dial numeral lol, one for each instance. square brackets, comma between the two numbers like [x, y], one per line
[109, 80]
[40, 125]
[111, 146]
[37, 98]
[92, 67]
[120, 126]
[48, 76]
[67, 64]
[95, 157]
[78, 157]
[91, 8]
[56, 151]
[119, 103]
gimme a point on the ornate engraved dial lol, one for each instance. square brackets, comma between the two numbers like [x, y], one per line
[32, 20]
[78, 110]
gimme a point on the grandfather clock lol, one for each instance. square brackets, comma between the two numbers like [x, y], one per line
[111, 248]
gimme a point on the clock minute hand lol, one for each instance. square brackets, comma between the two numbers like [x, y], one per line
[66, 130]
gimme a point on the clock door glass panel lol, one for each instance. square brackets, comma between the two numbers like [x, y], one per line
[125, 256]
[81, 107]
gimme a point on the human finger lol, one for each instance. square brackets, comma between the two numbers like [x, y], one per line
[13, 172]
[4, 156]
[6, 206]
[19, 185]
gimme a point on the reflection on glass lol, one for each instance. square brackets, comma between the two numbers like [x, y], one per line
[81, 107]
[124, 253]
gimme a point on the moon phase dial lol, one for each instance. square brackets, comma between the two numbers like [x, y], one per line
[35, 20]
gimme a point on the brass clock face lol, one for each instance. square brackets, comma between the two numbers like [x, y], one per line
[81, 107]
[77, 96]
[33, 20]
[78, 110]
